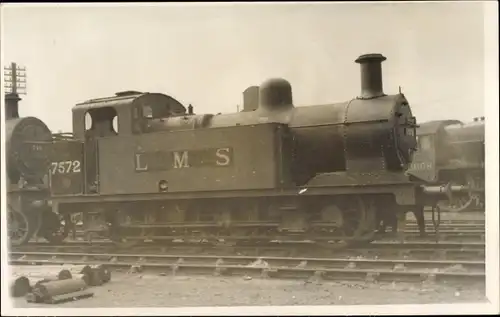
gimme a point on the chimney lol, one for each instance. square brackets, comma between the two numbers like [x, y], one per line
[12, 106]
[371, 75]
[251, 98]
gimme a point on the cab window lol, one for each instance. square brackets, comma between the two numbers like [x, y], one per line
[147, 112]
[101, 122]
[157, 111]
[424, 142]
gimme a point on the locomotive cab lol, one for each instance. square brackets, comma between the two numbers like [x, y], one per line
[467, 141]
[430, 137]
[127, 113]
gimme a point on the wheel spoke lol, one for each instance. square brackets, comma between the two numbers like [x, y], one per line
[458, 204]
[18, 227]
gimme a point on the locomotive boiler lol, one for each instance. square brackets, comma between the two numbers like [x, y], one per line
[450, 158]
[28, 214]
[142, 168]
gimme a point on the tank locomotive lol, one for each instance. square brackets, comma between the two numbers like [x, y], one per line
[451, 156]
[28, 210]
[144, 168]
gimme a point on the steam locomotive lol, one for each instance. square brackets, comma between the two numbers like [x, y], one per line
[141, 167]
[451, 154]
[28, 210]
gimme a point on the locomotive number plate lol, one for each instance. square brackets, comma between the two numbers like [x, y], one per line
[65, 167]
[421, 166]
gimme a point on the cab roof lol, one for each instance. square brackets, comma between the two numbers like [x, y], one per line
[126, 99]
[432, 127]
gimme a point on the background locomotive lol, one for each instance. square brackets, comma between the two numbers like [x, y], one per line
[28, 211]
[452, 153]
[144, 168]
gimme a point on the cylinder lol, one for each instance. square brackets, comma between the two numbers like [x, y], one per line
[371, 75]
[19, 286]
[50, 289]
[103, 272]
[275, 94]
[251, 98]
